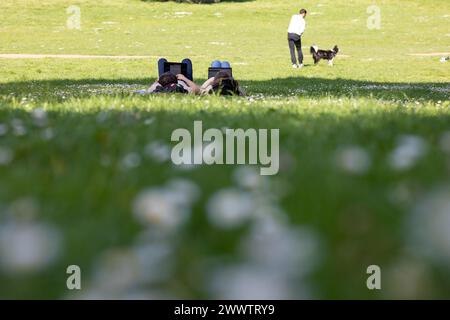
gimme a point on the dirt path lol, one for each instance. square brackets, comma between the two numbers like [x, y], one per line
[81, 56]
[431, 54]
[67, 56]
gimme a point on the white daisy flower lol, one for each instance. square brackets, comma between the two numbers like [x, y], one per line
[28, 247]
[131, 160]
[429, 227]
[156, 206]
[251, 282]
[39, 116]
[158, 151]
[168, 206]
[408, 151]
[353, 160]
[3, 129]
[230, 208]
[18, 127]
[274, 244]
[248, 178]
[445, 142]
[6, 156]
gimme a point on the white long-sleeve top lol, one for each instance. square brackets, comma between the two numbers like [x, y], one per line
[297, 25]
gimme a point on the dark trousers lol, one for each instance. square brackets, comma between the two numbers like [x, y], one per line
[295, 41]
[188, 63]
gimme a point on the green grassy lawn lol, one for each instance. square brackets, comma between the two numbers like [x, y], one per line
[365, 152]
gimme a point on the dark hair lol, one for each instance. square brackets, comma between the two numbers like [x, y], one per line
[221, 75]
[303, 11]
[225, 85]
[167, 78]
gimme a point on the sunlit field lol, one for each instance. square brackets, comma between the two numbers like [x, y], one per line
[86, 176]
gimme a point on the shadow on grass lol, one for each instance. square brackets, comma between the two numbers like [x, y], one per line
[51, 90]
[197, 1]
[86, 188]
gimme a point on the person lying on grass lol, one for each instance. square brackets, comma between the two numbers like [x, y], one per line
[222, 84]
[170, 83]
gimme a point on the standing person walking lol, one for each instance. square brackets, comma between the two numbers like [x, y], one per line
[295, 32]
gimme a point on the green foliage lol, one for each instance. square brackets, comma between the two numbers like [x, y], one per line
[73, 166]
[190, 1]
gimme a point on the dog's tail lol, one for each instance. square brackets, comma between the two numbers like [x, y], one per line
[314, 49]
[335, 49]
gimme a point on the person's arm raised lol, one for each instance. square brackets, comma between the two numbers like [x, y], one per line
[207, 85]
[191, 84]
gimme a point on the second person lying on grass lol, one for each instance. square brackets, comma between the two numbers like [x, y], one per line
[222, 84]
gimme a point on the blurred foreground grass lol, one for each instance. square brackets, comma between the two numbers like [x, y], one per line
[86, 176]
